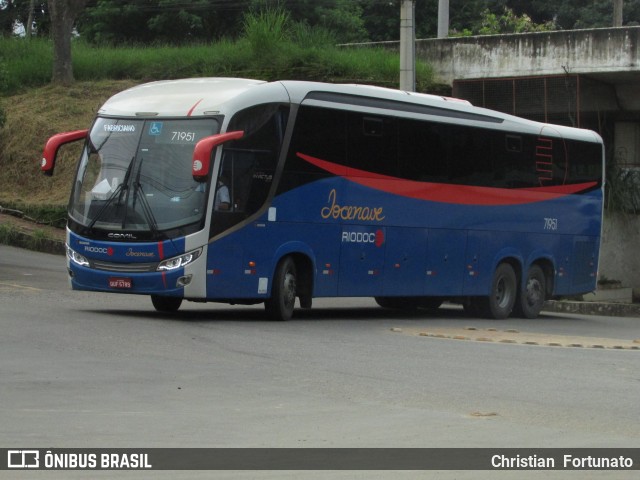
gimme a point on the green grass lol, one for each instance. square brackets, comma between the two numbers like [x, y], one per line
[8, 234]
[25, 64]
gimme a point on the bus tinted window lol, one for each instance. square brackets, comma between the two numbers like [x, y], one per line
[435, 152]
[372, 144]
[586, 162]
[319, 133]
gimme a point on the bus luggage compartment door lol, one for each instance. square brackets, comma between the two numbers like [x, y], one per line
[405, 260]
[361, 261]
[446, 262]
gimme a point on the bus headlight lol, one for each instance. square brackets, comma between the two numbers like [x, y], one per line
[76, 258]
[180, 261]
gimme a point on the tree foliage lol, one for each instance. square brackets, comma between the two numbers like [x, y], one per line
[116, 22]
[15, 13]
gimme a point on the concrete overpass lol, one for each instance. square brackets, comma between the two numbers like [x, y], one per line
[609, 56]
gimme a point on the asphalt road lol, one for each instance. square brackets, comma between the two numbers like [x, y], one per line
[81, 369]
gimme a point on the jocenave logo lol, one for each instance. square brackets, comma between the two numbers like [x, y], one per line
[350, 212]
[132, 253]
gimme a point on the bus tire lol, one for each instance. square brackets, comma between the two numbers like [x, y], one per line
[504, 291]
[283, 291]
[166, 304]
[531, 297]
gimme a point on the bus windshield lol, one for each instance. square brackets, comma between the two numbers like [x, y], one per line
[135, 175]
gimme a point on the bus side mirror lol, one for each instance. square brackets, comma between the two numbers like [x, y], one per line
[203, 150]
[53, 145]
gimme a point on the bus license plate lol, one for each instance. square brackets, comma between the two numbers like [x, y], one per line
[119, 282]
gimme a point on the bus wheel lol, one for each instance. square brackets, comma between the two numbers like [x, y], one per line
[504, 291]
[283, 291]
[166, 304]
[531, 298]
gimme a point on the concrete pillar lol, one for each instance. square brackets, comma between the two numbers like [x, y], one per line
[617, 12]
[407, 46]
[443, 18]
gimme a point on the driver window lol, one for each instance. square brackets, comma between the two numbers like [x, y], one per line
[249, 164]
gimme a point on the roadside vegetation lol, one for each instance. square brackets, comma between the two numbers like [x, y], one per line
[271, 47]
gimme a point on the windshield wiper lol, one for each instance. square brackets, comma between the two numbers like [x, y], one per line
[116, 193]
[146, 208]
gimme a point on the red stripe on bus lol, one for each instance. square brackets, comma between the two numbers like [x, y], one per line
[447, 193]
[194, 107]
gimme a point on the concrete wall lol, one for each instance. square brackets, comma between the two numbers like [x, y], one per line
[620, 250]
[594, 51]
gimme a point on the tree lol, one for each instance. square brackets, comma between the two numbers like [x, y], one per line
[8, 16]
[170, 21]
[63, 16]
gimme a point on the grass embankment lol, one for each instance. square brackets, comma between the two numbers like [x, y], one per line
[269, 48]
[31, 118]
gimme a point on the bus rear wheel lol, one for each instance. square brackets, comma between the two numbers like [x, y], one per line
[532, 297]
[283, 291]
[166, 304]
[504, 290]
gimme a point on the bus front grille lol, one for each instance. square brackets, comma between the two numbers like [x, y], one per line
[125, 267]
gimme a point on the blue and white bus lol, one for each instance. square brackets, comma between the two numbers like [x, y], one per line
[244, 191]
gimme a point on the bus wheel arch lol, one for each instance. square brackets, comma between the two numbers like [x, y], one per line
[293, 277]
[537, 286]
[305, 269]
[503, 292]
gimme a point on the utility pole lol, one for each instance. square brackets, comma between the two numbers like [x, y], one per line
[443, 18]
[407, 46]
[617, 12]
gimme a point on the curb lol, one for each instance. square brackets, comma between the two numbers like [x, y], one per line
[593, 308]
[44, 245]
